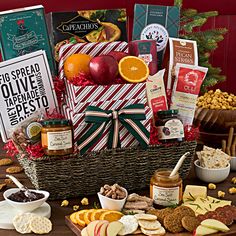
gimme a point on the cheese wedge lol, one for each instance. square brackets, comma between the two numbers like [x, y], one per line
[192, 192]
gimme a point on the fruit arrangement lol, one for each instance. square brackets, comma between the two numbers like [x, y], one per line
[115, 67]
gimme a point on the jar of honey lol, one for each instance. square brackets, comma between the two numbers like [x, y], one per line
[57, 137]
[166, 190]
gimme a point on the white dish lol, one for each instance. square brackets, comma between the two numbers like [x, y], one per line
[8, 212]
[233, 163]
[25, 206]
[112, 204]
[211, 175]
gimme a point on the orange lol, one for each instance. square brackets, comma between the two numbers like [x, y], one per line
[133, 69]
[96, 214]
[87, 216]
[75, 64]
[79, 217]
[72, 218]
[111, 216]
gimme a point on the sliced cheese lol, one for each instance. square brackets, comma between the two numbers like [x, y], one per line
[192, 192]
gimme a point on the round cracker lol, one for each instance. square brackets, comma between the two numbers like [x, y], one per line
[159, 232]
[190, 223]
[130, 224]
[145, 217]
[184, 211]
[21, 222]
[172, 223]
[149, 224]
[40, 225]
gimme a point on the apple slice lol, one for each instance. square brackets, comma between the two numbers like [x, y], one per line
[84, 232]
[91, 227]
[202, 230]
[98, 226]
[113, 228]
[215, 224]
[102, 230]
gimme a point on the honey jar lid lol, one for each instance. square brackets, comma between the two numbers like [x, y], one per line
[56, 122]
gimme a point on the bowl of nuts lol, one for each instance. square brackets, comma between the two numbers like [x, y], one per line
[216, 111]
[112, 197]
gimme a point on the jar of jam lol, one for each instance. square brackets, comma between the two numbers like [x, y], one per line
[57, 137]
[169, 126]
[166, 190]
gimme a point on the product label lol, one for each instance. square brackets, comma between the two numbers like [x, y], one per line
[166, 196]
[146, 57]
[59, 140]
[171, 130]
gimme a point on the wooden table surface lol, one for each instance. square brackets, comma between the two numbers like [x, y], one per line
[58, 213]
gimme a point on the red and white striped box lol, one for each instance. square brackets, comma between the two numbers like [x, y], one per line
[73, 93]
[127, 139]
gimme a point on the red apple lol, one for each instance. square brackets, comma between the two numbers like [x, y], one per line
[103, 69]
[118, 55]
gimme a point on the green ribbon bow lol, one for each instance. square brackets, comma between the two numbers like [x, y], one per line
[130, 117]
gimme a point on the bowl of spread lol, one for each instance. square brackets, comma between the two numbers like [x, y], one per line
[23, 202]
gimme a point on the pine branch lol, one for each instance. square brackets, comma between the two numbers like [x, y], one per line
[178, 3]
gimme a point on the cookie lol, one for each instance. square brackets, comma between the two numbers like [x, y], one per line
[172, 223]
[159, 232]
[21, 222]
[40, 225]
[145, 217]
[3, 186]
[8, 181]
[149, 224]
[5, 162]
[184, 211]
[130, 224]
[161, 214]
[14, 169]
[190, 223]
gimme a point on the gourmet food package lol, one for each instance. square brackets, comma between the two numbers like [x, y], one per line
[180, 51]
[86, 26]
[156, 23]
[105, 97]
[23, 31]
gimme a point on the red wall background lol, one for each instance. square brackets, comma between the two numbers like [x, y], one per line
[224, 56]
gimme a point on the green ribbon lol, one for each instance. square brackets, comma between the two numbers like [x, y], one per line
[129, 116]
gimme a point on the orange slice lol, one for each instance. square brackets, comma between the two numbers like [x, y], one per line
[111, 216]
[79, 216]
[96, 214]
[72, 218]
[133, 69]
[87, 216]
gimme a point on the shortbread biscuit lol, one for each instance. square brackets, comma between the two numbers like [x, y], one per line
[40, 225]
[172, 223]
[159, 232]
[14, 169]
[5, 161]
[3, 186]
[145, 217]
[130, 224]
[8, 181]
[21, 222]
[190, 223]
[149, 224]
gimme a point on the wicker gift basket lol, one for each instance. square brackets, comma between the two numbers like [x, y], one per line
[76, 175]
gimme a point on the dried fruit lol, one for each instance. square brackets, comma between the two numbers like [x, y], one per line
[111, 216]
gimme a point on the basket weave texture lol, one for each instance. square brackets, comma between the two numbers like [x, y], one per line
[77, 175]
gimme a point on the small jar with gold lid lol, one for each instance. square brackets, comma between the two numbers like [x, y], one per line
[57, 137]
[166, 190]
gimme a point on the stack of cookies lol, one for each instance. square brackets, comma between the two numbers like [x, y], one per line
[177, 220]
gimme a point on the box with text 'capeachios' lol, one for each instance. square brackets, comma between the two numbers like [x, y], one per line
[77, 94]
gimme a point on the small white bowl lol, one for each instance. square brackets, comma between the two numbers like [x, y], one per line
[211, 175]
[25, 206]
[233, 163]
[112, 204]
